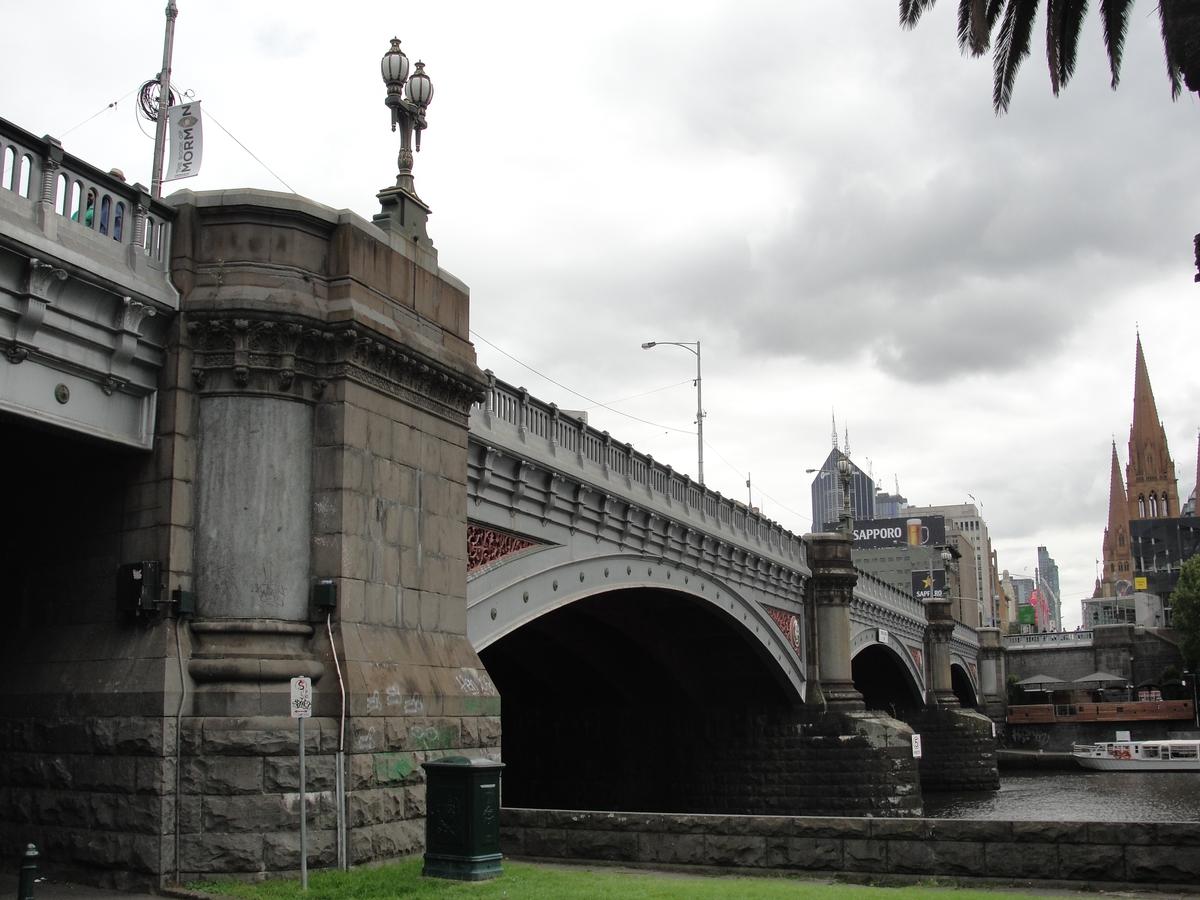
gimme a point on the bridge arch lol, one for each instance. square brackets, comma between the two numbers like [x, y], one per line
[499, 604]
[631, 693]
[885, 672]
[963, 683]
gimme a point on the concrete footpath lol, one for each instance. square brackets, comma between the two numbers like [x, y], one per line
[47, 889]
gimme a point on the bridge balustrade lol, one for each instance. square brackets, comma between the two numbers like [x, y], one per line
[85, 295]
[565, 432]
[56, 190]
[1040, 641]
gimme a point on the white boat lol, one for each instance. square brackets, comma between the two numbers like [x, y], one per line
[1140, 756]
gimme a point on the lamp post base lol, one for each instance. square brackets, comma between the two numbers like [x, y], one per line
[404, 213]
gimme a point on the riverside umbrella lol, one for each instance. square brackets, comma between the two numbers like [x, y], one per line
[1100, 678]
[1038, 682]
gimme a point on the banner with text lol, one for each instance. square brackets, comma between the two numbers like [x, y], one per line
[916, 531]
[186, 131]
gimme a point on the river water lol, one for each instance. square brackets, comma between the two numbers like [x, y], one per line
[1082, 796]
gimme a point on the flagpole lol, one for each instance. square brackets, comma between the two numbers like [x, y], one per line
[164, 101]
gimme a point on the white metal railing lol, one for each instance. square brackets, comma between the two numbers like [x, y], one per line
[534, 418]
[1082, 637]
[60, 191]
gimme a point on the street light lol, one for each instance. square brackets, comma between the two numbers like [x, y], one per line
[690, 347]
[408, 98]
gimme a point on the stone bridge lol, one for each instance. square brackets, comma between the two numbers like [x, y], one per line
[246, 441]
[560, 512]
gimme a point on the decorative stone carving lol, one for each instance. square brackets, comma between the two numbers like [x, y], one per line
[297, 360]
[41, 276]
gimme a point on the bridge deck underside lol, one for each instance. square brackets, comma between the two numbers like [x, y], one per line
[625, 701]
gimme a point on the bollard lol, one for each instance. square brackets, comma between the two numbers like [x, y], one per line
[28, 873]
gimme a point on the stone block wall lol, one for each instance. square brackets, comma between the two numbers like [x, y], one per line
[90, 791]
[958, 750]
[833, 764]
[1093, 854]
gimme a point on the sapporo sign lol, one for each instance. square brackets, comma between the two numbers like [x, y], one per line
[928, 585]
[916, 531]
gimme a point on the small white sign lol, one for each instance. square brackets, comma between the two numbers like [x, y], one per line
[916, 746]
[883, 635]
[1123, 736]
[302, 697]
[993, 729]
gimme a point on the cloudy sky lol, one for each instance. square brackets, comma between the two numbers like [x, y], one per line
[825, 201]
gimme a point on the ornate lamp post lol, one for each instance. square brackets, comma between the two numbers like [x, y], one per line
[690, 347]
[408, 97]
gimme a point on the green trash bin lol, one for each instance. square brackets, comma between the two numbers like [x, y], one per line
[462, 818]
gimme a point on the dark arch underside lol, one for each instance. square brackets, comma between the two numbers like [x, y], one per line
[629, 700]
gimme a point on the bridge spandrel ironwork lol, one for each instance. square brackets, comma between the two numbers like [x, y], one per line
[85, 293]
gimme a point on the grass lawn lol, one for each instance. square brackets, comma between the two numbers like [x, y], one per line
[521, 881]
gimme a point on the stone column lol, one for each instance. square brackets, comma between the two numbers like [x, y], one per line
[254, 498]
[833, 580]
[994, 698]
[937, 639]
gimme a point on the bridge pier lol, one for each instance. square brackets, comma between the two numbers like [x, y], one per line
[832, 589]
[311, 427]
[937, 644]
[992, 677]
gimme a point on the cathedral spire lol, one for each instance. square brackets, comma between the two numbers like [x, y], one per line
[1150, 473]
[1118, 557]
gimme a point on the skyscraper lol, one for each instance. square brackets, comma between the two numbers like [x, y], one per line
[827, 492]
[1048, 582]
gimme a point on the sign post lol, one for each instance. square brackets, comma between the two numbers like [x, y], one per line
[301, 706]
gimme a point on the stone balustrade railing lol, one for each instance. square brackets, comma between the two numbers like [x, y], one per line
[59, 195]
[879, 591]
[1042, 641]
[575, 445]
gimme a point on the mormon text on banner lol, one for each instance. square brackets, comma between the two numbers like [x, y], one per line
[187, 141]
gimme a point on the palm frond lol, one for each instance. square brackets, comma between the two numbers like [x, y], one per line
[974, 29]
[1181, 45]
[1074, 12]
[1012, 46]
[911, 10]
[1064, 21]
[1054, 14]
[1115, 14]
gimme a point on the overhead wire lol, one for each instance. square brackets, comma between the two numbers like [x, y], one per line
[597, 404]
[105, 108]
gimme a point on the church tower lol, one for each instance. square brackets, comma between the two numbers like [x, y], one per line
[1153, 491]
[1118, 553]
